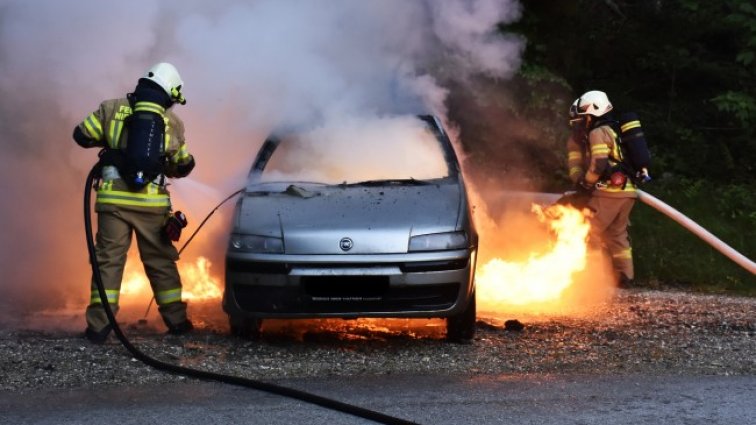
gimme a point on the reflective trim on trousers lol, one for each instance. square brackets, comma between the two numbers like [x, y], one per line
[112, 295]
[169, 296]
[625, 254]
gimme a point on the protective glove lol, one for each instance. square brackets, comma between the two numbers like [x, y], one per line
[173, 225]
[579, 197]
[183, 170]
[575, 200]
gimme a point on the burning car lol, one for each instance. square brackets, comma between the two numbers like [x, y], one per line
[367, 220]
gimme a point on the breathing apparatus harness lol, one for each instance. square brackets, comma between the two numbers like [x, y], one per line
[143, 159]
[328, 403]
[634, 157]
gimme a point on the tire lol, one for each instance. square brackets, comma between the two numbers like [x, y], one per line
[461, 327]
[245, 327]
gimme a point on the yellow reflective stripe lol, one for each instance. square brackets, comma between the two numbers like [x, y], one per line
[182, 154]
[111, 133]
[149, 107]
[93, 126]
[616, 153]
[113, 200]
[167, 133]
[630, 125]
[575, 170]
[169, 296]
[600, 150]
[112, 141]
[117, 132]
[574, 155]
[112, 295]
[116, 197]
[625, 254]
[617, 189]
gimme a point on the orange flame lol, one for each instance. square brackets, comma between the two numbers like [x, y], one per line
[198, 282]
[543, 277]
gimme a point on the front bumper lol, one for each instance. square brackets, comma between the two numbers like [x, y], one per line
[428, 284]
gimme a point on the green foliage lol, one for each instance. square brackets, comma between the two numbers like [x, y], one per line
[665, 252]
[740, 105]
[536, 99]
[743, 16]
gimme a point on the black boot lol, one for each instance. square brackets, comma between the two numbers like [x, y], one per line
[97, 337]
[624, 282]
[181, 328]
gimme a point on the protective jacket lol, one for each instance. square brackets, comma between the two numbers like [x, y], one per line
[591, 158]
[106, 128]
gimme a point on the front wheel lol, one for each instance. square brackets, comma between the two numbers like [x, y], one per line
[245, 327]
[461, 327]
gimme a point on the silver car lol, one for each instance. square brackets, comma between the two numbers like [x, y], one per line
[324, 229]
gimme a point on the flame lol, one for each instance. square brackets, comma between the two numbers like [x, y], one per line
[198, 282]
[542, 277]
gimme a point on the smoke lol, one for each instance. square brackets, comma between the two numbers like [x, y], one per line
[248, 67]
[356, 150]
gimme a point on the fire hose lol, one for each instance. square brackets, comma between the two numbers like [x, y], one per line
[697, 230]
[678, 217]
[202, 374]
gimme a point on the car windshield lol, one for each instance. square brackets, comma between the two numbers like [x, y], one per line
[396, 150]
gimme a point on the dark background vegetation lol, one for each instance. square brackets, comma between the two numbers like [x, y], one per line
[688, 68]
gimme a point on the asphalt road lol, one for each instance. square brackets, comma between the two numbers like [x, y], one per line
[505, 399]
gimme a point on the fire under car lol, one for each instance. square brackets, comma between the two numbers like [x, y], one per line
[370, 220]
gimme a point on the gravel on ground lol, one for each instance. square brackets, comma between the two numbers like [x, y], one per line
[639, 332]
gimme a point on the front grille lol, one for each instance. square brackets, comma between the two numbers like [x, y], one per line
[316, 296]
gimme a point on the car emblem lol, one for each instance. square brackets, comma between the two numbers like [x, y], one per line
[346, 244]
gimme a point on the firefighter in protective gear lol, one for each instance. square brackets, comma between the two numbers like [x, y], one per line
[123, 210]
[593, 157]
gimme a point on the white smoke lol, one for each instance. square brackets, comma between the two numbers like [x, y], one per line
[356, 150]
[248, 67]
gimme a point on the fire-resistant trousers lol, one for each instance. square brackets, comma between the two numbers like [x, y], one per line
[114, 230]
[609, 222]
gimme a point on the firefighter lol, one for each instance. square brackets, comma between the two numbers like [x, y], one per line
[594, 158]
[145, 209]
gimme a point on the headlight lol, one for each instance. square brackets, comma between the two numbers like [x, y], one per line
[254, 243]
[438, 241]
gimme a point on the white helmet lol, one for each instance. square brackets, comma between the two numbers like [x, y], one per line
[167, 77]
[591, 103]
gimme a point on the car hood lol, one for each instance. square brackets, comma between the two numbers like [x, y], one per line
[376, 219]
